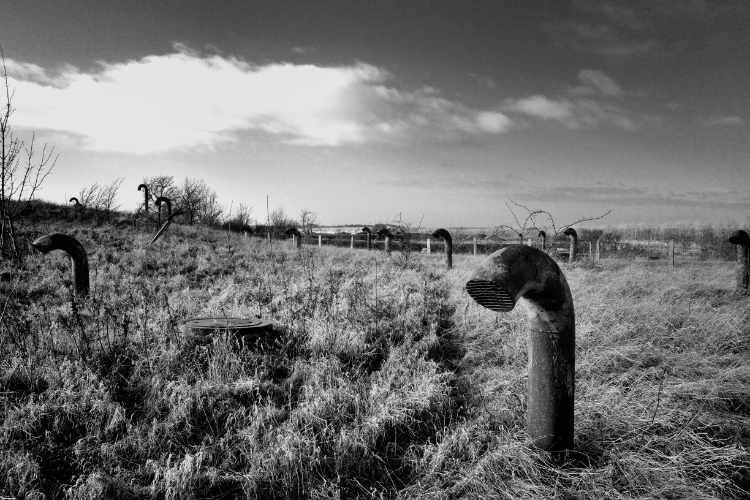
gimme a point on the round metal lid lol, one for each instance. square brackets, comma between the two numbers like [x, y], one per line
[234, 324]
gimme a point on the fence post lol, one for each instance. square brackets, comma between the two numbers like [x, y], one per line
[428, 245]
[320, 241]
[598, 254]
[671, 251]
[475, 245]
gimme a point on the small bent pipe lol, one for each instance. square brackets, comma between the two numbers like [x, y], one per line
[368, 234]
[144, 188]
[543, 238]
[76, 204]
[166, 201]
[573, 237]
[79, 261]
[386, 234]
[741, 239]
[523, 272]
[446, 237]
[296, 236]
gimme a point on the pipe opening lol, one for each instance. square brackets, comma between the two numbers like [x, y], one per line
[488, 294]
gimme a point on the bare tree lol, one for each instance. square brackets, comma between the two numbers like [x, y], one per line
[107, 196]
[537, 219]
[210, 211]
[242, 216]
[89, 195]
[199, 203]
[23, 170]
[307, 219]
[279, 220]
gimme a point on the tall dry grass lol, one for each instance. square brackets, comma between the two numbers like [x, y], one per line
[386, 380]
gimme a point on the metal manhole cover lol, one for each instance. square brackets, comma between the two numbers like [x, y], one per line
[241, 327]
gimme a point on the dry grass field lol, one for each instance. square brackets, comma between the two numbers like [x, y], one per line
[386, 380]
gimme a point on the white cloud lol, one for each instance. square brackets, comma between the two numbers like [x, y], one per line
[587, 106]
[725, 121]
[542, 107]
[574, 113]
[599, 81]
[185, 100]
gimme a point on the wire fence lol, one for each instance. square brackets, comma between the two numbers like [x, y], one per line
[671, 251]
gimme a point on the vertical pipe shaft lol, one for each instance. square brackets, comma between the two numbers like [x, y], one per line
[573, 237]
[320, 241]
[351, 243]
[591, 253]
[521, 272]
[387, 244]
[428, 246]
[475, 245]
[743, 272]
[448, 242]
[742, 241]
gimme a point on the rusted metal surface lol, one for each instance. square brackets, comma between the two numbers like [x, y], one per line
[572, 235]
[446, 237]
[742, 241]
[296, 237]
[386, 234]
[166, 201]
[79, 262]
[244, 329]
[144, 188]
[523, 272]
[161, 231]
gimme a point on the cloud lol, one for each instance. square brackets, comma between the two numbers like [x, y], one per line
[599, 81]
[592, 104]
[185, 100]
[543, 107]
[576, 113]
[601, 38]
[620, 195]
[725, 121]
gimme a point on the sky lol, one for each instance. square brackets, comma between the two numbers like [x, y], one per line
[438, 112]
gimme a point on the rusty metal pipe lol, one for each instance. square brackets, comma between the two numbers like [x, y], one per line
[742, 241]
[144, 188]
[523, 272]
[446, 237]
[573, 237]
[168, 203]
[543, 238]
[385, 233]
[76, 204]
[296, 237]
[78, 260]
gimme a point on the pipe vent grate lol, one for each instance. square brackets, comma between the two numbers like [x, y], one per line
[488, 294]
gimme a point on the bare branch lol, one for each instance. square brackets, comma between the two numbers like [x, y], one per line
[586, 219]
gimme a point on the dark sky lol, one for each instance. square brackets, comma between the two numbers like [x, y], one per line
[361, 110]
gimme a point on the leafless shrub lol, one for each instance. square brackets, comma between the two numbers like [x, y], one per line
[23, 170]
